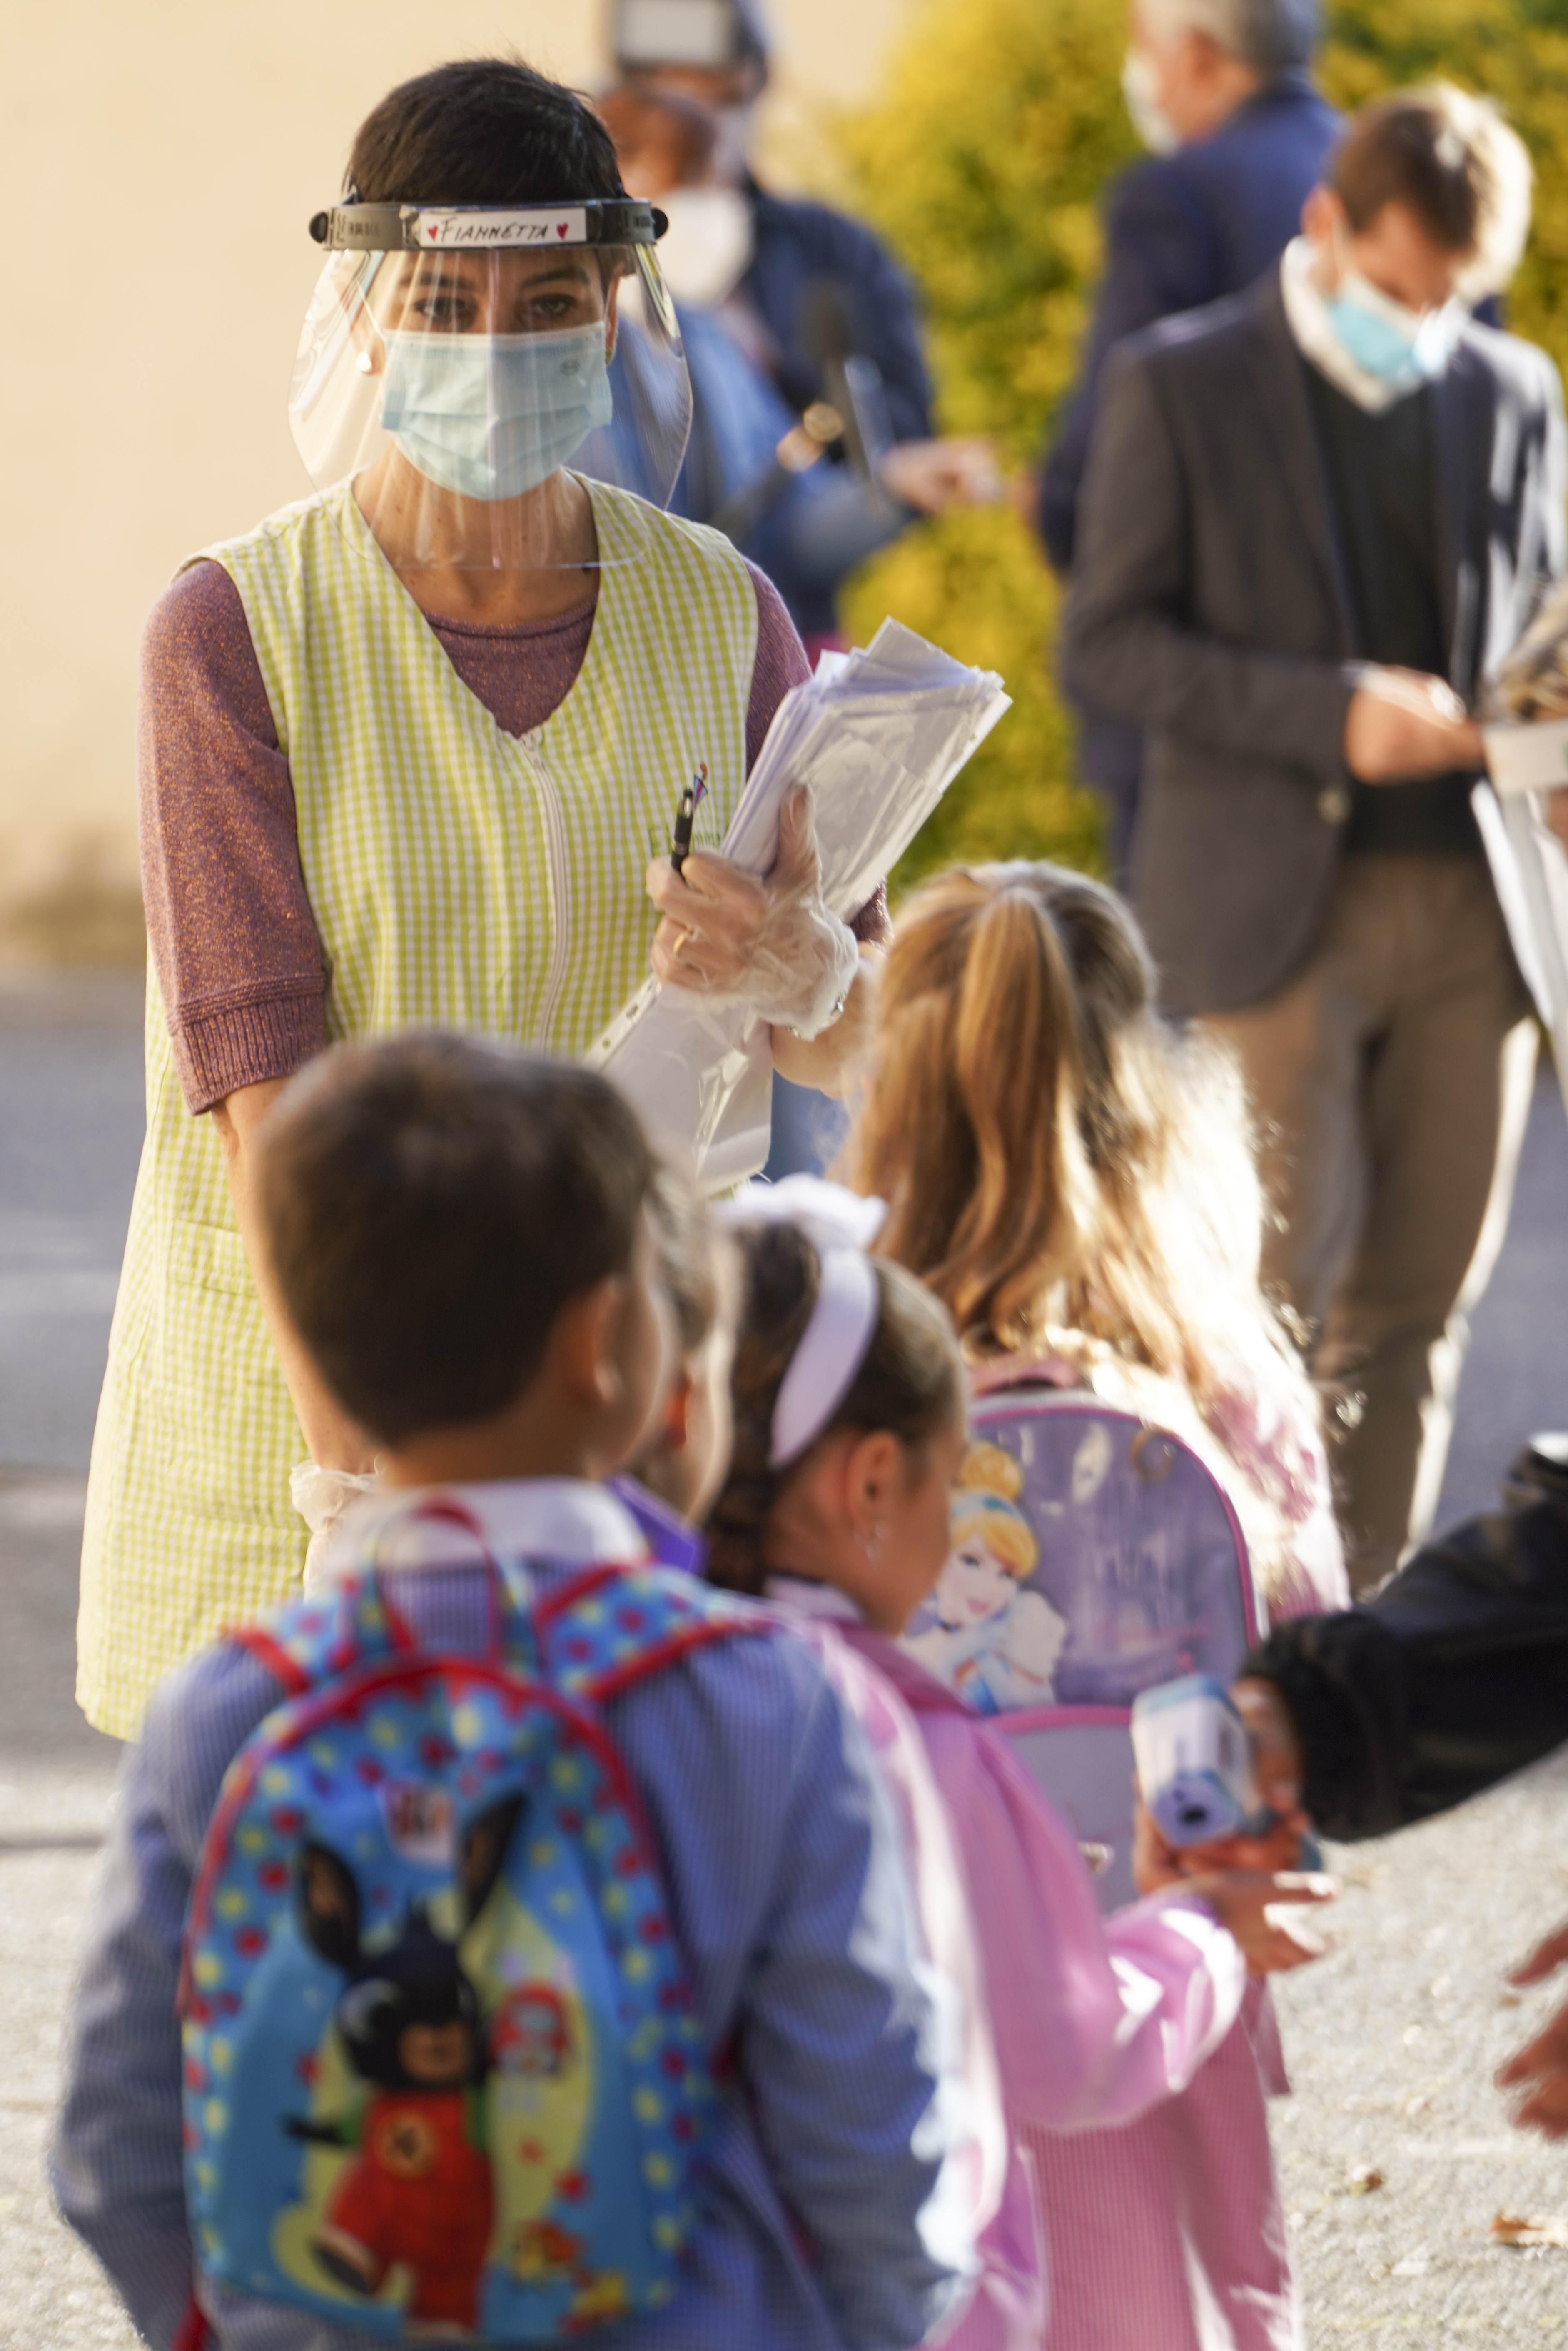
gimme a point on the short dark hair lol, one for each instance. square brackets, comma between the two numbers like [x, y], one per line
[431, 1205]
[485, 130]
[1418, 150]
[911, 1383]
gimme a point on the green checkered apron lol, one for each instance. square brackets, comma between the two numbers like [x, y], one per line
[461, 878]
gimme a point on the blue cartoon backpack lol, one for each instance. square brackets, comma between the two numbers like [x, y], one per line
[1093, 1556]
[443, 2076]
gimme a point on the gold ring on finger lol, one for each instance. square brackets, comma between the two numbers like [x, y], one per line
[682, 939]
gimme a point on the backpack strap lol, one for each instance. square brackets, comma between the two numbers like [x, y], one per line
[589, 1636]
[611, 1626]
[313, 1639]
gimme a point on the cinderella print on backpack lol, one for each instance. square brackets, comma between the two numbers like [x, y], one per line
[442, 2077]
[1094, 1557]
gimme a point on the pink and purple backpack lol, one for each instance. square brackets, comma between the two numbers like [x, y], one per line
[1093, 1556]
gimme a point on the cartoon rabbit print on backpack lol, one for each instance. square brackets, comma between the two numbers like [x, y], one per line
[419, 2190]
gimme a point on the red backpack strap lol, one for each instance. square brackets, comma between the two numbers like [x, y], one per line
[611, 1626]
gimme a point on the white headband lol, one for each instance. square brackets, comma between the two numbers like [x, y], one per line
[841, 1226]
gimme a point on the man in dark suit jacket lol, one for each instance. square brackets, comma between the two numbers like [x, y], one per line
[1220, 89]
[1316, 516]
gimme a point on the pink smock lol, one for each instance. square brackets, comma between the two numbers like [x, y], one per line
[1135, 2060]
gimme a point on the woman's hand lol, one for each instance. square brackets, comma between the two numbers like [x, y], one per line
[1268, 1914]
[1247, 1882]
[1230, 1872]
[1156, 1864]
[772, 945]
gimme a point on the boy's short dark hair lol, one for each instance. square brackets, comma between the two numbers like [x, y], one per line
[487, 130]
[431, 1205]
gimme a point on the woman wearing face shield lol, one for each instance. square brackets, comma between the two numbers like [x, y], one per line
[409, 752]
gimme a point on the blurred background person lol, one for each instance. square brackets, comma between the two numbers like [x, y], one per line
[1218, 91]
[810, 442]
[756, 469]
[810, 297]
[1313, 520]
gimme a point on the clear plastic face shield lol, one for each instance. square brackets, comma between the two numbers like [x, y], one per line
[470, 367]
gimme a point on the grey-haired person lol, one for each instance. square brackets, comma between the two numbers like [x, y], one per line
[1221, 93]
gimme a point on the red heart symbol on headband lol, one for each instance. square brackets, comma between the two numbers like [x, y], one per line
[432, 231]
[560, 228]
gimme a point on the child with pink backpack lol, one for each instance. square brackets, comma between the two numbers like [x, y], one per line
[848, 1430]
[1073, 1178]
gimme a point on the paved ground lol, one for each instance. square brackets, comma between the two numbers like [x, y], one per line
[1392, 2042]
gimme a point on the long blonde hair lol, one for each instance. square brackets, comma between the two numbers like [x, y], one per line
[1055, 1158]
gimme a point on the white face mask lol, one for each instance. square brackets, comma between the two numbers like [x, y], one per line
[1140, 89]
[704, 252]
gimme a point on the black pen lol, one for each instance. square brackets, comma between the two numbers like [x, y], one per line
[684, 815]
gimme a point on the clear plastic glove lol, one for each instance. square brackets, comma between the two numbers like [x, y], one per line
[772, 945]
[321, 1497]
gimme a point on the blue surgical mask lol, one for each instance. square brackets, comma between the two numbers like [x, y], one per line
[1401, 347]
[491, 416]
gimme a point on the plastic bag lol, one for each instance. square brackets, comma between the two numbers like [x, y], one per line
[321, 1497]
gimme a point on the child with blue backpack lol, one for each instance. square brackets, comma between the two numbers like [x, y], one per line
[513, 1940]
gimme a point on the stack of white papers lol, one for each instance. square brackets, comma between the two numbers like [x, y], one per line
[878, 734]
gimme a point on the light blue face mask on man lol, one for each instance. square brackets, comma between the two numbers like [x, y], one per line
[491, 416]
[1403, 348]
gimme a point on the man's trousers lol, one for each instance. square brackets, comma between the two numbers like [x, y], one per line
[1390, 1080]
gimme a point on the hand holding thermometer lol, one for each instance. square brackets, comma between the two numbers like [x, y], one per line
[1195, 1762]
[685, 815]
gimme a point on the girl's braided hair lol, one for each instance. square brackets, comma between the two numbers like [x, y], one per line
[911, 1383]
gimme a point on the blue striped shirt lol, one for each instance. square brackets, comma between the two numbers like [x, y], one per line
[787, 1886]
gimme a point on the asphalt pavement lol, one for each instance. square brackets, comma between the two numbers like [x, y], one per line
[1395, 2150]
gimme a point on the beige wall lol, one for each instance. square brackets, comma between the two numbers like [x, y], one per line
[158, 164]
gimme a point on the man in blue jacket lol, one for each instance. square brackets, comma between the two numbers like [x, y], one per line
[1218, 90]
[804, 288]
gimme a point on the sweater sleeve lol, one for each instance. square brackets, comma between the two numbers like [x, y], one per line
[234, 941]
[1453, 1676]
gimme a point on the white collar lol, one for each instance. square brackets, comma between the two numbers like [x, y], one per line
[808, 1599]
[564, 1520]
[1307, 315]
